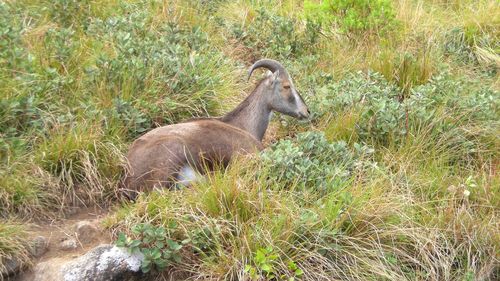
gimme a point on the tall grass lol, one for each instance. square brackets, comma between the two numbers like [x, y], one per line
[14, 244]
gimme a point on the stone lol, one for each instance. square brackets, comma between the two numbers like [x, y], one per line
[45, 271]
[68, 244]
[105, 262]
[10, 267]
[39, 246]
[86, 231]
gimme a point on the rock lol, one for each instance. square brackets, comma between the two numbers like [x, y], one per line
[105, 262]
[86, 231]
[39, 246]
[45, 271]
[72, 210]
[68, 244]
[10, 267]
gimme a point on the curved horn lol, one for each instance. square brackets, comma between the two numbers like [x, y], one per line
[269, 64]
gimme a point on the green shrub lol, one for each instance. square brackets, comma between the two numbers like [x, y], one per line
[473, 47]
[154, 243]
[275, 36]
[352, 16]
[445, 109]
[169, 70]
[70, 12]
[13, 55]
[311, 162]
[131, 118]
[265, 260]
[59, 46]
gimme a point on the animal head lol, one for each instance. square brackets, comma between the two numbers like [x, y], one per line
[282, 96]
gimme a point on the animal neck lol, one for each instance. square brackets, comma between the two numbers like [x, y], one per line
[252, 115]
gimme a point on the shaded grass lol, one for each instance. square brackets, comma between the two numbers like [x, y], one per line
[13, 244]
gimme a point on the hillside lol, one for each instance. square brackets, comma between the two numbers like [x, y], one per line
[395, 176]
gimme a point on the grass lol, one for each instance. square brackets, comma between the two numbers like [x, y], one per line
[13, 243]
[75, 91]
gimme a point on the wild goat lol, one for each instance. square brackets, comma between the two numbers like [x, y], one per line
[175, 153]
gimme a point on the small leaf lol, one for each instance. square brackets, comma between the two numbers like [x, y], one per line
[135, 243]
[299, 272]
[159, 244]
[155, 254]
[177, 258]
[247, 268]
[266, 267]
[122, 240]
[173, 245]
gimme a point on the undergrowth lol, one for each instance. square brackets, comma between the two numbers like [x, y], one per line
[394, 177]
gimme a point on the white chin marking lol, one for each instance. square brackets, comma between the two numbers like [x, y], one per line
[186, 175]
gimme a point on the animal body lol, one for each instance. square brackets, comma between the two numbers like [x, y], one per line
[176, 153]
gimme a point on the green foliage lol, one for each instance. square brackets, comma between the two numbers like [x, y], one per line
[74, 155]
[275, 36]
[311, 162]
[469, 46]
[172, 69]
[155, 244]
[265, 260]
[70, 12]
[136, 121]
[204, 240]
[442, 108]
[352, 16]
[13, 55]
[60, 45]
[79, 80]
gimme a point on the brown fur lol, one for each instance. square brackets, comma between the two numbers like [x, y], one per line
[156, 157]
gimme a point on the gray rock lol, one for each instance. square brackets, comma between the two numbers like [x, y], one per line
[10, 267]
[86, 231]
[46, 271]
[105, 262]
[68, 244]
[39, 246]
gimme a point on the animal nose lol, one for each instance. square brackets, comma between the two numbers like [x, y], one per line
[304, 114]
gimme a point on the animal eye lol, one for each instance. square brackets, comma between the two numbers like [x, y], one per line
[286, 86]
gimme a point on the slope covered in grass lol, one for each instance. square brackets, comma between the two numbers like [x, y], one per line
[395, 177]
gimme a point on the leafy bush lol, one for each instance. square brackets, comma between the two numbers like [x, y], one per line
[312, 162]
[60, 45]
[13, 55]
[445, 108]
[154, 243]
[131, 118]
[20, 114]
[70, 12]
[173, 68]
[352, 16]
[274, 36]
[470, 46]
